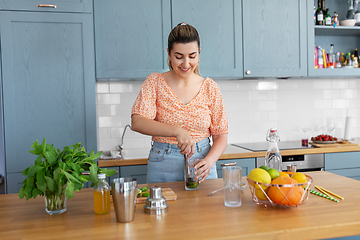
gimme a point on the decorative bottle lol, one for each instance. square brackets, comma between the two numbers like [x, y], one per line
[102, 204]
[273, 157]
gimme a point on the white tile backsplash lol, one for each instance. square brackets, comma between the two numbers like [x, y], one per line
[285, 104]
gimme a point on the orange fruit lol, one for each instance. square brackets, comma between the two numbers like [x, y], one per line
[284, 174]
[285, 195]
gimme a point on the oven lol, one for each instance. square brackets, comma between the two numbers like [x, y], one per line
[304, 163]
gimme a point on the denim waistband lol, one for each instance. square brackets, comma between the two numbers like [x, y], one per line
[173, 147]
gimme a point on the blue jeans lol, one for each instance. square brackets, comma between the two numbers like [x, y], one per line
[166, 163]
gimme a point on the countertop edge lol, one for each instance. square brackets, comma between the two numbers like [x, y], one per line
[233, 152]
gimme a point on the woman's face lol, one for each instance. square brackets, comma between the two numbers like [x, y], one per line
[184, 58]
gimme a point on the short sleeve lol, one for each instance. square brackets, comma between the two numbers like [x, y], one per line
[219, 121]
[145, 103]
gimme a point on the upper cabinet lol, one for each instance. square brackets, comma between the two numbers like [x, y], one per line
[345, 39]
[130, 38]
[219, 24]
[84, 6]
[275, 38]
[48, 85]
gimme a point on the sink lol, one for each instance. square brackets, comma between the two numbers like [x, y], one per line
[135, 153]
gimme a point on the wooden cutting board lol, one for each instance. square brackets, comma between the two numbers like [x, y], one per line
[167, 193]
[337, 144]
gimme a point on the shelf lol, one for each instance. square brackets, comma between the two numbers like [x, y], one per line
[337, 31]
[337, 72]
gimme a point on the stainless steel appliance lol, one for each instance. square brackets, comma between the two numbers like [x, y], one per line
[303, 162]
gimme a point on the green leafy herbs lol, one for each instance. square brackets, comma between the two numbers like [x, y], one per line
[55, 170]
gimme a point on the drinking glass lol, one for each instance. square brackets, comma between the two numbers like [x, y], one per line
[232, 186]
[330, 125]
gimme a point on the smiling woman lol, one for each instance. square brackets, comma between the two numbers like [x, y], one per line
[181, 110]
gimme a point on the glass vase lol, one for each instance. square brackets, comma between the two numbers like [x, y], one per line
[55, 204]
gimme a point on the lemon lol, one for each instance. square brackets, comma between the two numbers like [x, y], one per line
[299, 177]
[273, 173]
[260, 195]
[284, 174]
[138, 191]
[259, 175]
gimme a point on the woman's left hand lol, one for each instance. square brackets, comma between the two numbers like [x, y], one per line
[202, 170]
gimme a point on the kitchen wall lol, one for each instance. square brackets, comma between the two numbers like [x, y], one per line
[253, 106]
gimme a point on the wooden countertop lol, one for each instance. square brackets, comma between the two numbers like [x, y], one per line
[192, 216]
[233, 152]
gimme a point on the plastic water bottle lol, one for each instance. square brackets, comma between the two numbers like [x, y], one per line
[272, 157]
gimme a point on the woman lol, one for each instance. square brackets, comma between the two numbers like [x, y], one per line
[181, 110]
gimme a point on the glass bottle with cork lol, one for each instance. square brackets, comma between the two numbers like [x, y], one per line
[102, 203]
[319, 14]
[273, 157]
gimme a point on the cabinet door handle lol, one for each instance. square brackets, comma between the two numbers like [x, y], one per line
[46, 5]
[228, 164]
[248, 72]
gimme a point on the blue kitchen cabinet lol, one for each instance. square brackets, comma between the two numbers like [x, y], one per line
[346, 164]
[275, 38]
[345, 39]
[48, 85]
[219, 24]
[47, 6]
[131, 38]
[247, 164]
[136, 171]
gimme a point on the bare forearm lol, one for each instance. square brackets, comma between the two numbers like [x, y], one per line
[151, 127]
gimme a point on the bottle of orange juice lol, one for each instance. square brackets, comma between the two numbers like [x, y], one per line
[102, 203]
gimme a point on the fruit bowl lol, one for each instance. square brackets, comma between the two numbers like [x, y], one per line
[280, 195]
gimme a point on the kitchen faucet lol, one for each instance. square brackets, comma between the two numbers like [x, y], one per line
[120, 147]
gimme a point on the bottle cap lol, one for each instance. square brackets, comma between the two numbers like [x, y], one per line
[101, 176]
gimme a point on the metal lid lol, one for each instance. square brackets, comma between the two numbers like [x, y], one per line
[156, 203]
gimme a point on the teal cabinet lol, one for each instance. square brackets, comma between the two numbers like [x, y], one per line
[346, 164]
[48, 6]
[247, 164]
[48, 84]
[131, 38]
[345, 39]
[275, 38]
[219, 24]
[136, 171]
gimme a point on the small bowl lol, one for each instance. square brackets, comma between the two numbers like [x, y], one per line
[348, 22]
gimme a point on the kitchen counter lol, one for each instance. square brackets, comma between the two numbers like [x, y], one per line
[192, 216]
[233, 152]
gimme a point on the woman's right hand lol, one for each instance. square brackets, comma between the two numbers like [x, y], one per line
[185, 142]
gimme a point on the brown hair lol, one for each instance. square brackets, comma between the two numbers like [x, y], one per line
[183, 33]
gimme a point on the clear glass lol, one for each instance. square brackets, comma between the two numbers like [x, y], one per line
[102, 202]
[232, 186]
[55, 204]
[191, 182]
[273, 157]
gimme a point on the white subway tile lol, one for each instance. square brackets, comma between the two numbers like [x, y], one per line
[109, 122]
[340, 84]
[123, 109]
[341, 103]
[258, 95]
[102, 110]
[322, 84]
[267, 105]
[117, 133]
[108, 99]
[332, 93]
[323, 104]
[348, 93]
[121, 87]
[104, 133]
[102, 87]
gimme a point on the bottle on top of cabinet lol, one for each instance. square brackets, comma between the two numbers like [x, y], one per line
[336, 19]
[102, 203]
[327, 18]
[319, 14]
